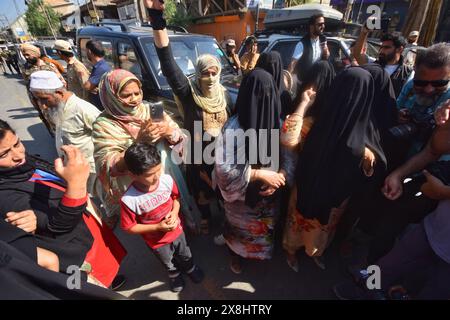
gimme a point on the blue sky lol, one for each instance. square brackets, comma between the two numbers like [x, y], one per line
[7, 8]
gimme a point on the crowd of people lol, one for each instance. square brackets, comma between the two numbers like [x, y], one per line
[307, 155]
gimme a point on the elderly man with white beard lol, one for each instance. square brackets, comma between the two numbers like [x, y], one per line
[73, 118]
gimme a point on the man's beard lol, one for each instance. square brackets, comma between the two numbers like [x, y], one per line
[425, 100]
[56, 114]
[32, 61]
[386, 58]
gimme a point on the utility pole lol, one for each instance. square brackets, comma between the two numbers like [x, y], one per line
[41, 3]
[257, 15]
[359, 12]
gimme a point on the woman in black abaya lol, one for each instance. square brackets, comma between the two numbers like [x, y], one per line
[339, 155]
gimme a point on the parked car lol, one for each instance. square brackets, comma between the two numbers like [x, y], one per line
[132, 48]
[285, 43]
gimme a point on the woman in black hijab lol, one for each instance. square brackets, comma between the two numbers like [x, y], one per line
[386, 114]
[52, 203]
[338, 156]
[248, 186]
[385, 104]
[272, 63]
[295, 129]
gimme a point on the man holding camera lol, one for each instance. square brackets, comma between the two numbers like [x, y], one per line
[421, 96]
[423, 199]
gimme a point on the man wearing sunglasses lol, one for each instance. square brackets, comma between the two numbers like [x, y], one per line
[430, 87]
[311, 48]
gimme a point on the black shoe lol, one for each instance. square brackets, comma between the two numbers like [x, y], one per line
[177, 283]
[118, 282]
[196, 275]
[398, 293]
[349, 290]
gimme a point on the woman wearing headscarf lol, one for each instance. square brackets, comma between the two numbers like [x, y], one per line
[248, 184]
[337, 158]
[386, 113]
[272, 63]
[368, 205]
[126, 120]
[205, 106]
[315, 87]
[51, 204]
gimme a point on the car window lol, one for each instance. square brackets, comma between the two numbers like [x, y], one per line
[286, 50]
[83, 53]
[337, 56]
[373, 49]
[185, 52]
[128, 59]
[262, 46]
[107, 45]
[52, 53]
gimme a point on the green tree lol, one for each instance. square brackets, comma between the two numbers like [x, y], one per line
[38, 21]
[176, 16]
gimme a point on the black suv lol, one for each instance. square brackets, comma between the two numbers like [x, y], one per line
[132, 48]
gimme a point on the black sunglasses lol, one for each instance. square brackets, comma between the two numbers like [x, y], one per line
[435, 83]
[320, 24]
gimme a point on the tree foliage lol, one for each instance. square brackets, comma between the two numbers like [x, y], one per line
[37, 21]
[176, 14]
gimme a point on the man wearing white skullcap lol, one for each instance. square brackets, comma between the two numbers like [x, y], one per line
[35, 63]
[73, 118]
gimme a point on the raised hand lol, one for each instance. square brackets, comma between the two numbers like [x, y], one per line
[154, 4]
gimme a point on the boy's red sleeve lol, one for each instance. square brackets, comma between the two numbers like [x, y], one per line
[175, 193]
[127, 217]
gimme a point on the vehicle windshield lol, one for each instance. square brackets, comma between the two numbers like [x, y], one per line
[51, 52]
[186, 51]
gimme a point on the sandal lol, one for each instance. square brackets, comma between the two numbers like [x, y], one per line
[235, 265]
[320, 262]
[204, 227]
[292, 262]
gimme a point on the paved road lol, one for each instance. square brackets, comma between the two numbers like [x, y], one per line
[146, 278]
